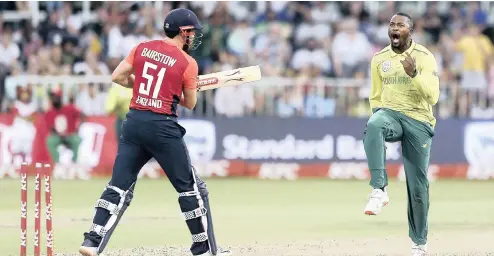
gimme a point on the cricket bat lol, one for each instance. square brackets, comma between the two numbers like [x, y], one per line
[227, 78]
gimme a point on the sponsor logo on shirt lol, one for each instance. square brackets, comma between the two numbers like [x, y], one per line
[386, 66]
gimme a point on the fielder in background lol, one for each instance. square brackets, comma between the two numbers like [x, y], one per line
[405, 86]
[63, 124]
[24, 133]
[117, 103]
[163, 73]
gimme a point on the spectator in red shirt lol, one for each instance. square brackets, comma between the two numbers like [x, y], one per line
[63, 124]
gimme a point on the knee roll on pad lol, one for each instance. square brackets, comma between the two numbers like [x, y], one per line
[187, 202]
[116, 211]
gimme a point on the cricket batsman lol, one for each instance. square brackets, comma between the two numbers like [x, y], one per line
[405, 86]
[159, 72]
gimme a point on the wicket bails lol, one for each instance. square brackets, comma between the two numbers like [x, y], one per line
[45, 172]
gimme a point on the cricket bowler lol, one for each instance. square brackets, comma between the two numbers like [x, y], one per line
[159, 72]
[405, 86]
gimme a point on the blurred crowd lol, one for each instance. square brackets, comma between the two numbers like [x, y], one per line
[326, 47]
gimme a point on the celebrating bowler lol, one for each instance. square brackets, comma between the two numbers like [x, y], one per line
[405, 86]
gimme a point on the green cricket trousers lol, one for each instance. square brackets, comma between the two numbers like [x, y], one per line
[387, 125]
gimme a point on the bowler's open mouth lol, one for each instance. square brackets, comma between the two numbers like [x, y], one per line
[395, 38]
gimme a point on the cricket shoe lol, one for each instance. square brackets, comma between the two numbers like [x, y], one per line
[221, 252]
[376, 201]
[419, 250]
[89, 248]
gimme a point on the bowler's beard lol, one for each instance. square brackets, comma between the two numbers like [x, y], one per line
[402, 47]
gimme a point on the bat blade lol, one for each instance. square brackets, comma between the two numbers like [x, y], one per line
[228, 78]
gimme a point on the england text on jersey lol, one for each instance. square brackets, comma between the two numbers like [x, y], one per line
[147, 102]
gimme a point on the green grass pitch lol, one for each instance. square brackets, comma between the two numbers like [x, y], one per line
[262, 217]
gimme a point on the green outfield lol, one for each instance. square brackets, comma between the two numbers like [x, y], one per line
[260, 217]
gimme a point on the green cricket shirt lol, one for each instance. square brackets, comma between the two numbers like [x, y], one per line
[392, 88]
